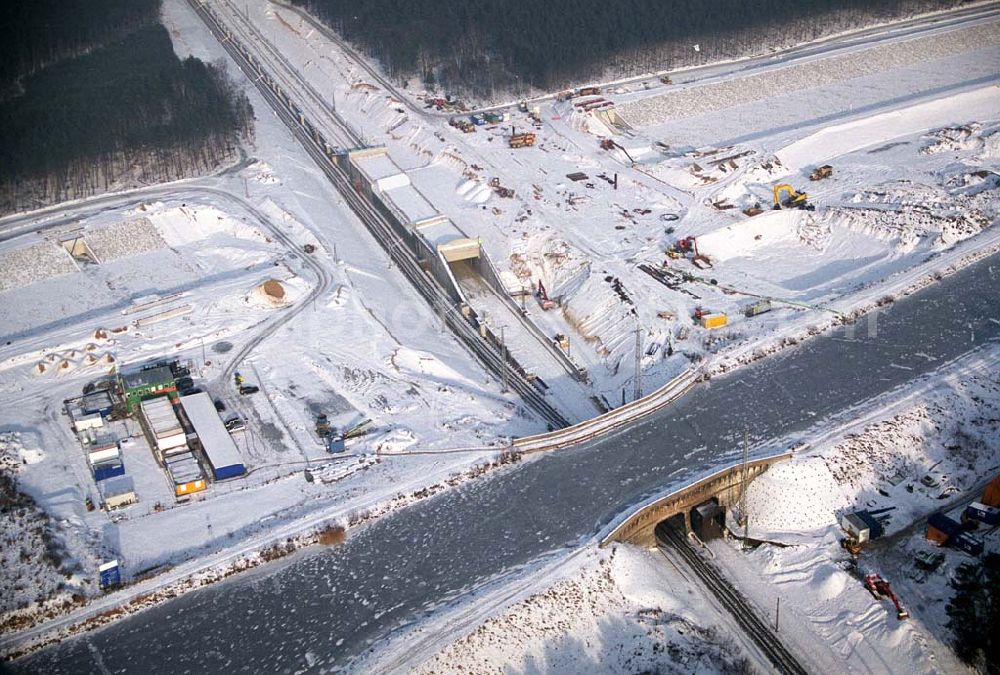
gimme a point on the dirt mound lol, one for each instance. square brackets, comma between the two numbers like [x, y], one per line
[273, 289]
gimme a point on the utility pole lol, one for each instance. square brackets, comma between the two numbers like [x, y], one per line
[503, 352]
[743, 489]
[638, 364]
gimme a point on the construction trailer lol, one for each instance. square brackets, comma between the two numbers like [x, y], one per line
[991, 495]
[97, 403]
[118, 492]
[144, 383]
[988, 515]
[856, 527]
[217, 444]
[186, 474]
[167, 434]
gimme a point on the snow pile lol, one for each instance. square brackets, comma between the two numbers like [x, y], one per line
[620, 613]
[688, 102]
[124, 239]
[185, 225]
[24, 266]
[951, 432]
[840, 139]
[747, 237]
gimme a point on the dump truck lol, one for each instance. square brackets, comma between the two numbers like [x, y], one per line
[821, 172]
[524, 140]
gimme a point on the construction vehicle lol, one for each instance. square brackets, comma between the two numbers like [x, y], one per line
[754, 210]
[609, 144]
[689, 245]
[819, 173]
[239, 379]
[795, 199]
[880, 588]
[323, 428]
[544, 300]
[523, 140]
[760, 307]
[851, 545]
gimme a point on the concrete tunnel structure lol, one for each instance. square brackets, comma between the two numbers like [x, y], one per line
[721, 489]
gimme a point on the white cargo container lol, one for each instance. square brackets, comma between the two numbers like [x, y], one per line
[103, 455]
[163, 424]
[83, 422]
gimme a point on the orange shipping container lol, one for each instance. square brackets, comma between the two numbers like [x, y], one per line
[991, 495]
[188, 488]
[937, 536]
[711, 321]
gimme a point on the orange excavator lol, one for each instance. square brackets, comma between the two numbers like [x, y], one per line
[880, 588]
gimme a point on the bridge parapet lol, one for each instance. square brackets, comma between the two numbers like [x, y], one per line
[724, 485]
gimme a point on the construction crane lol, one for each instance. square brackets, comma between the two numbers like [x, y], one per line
[795, 199]
[880, 588]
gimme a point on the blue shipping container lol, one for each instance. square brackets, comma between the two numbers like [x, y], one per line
[230, 471]
[966, 542]
[105, 471]
[989, 515]
[111, 574]
[944, 523]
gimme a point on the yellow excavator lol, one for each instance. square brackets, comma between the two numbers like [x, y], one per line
[794, 200]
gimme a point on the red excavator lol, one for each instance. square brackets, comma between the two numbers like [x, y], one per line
[543, 297]
[880, 588]
[689, 245]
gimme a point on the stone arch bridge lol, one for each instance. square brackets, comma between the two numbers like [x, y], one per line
[721, 488]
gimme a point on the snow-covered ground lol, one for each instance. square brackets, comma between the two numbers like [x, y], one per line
[614, 610]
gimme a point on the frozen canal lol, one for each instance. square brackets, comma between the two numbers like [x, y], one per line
[324, 607]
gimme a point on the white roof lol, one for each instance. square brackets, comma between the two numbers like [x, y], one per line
[376, 166]
[216, 441]
[184, 468]
[438, 231]
[159, 412]
[410, 203]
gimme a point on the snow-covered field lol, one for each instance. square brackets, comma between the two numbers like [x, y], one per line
[178, 271]
[610, 611]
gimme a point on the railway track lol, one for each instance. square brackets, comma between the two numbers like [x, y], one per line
[323, 155]
[669, 540]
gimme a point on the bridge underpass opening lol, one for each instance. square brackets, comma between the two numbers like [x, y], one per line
[708, 519]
